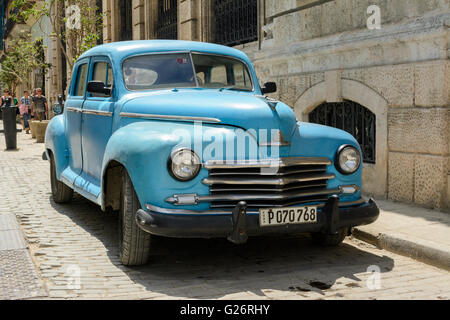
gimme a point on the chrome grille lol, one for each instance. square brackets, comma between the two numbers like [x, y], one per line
[295, 181]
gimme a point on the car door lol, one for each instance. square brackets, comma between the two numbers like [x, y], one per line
[96, 125]
[73, 109]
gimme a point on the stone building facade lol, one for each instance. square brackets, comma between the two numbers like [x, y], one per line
[11, 29]
[331, 59]
[36, 30]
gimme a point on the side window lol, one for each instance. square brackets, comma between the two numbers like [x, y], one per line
[80, 84]
[102, 72]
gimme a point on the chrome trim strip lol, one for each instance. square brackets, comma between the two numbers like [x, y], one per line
[256, 189]
[354, 186]
[265, 163]
[249, 196]
[276, 181]
[74, 109]
[275, 174]
[275, 144]
[181, 211]
[167, 117]
[97, 112]
[156, 209]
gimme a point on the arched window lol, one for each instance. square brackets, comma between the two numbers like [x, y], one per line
[353, 118]
[167, 26]
[236, 22]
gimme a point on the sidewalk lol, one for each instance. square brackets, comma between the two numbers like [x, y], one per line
[19, 278]
[412, 231]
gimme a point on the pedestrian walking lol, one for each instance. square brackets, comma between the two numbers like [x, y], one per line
[25, 111]
[39, 106]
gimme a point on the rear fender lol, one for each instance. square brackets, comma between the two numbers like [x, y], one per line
[55, 142]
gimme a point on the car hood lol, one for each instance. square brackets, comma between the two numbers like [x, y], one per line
[239, 109]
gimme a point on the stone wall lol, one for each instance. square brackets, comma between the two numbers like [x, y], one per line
[321, 51]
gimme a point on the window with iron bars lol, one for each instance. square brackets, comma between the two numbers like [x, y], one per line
[126, 24]
[236, 21]
[353, 118]
[167, 25]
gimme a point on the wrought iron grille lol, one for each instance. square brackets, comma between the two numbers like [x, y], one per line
[353, 118]
[236, 21]
[126, 12]
[167, 26]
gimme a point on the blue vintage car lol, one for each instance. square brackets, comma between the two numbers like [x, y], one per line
[179, 138]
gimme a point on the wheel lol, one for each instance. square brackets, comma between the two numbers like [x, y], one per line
[60, 192]
[329, 240]
[134, 244]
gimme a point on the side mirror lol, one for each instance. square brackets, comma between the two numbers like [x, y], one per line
[60, 99]
[98, 87]
[269, 87]
[57, 108]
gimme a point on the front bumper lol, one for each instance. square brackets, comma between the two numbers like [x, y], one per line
[331, 217]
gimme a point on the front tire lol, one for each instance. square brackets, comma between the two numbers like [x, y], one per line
[134, 244]
[60, 192]
[329, 239]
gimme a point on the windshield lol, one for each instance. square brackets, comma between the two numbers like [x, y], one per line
[174, 70]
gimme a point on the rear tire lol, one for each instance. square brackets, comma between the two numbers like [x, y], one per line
[134, 244]
[60, 192]
[328, 239]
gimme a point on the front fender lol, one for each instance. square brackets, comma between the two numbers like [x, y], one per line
[144, 148]
[312, 140]
[55, 141]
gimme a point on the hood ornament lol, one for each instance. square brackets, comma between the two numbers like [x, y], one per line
[272, 103]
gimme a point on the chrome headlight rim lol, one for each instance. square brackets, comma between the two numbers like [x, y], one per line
[338, 155]
[170, 164]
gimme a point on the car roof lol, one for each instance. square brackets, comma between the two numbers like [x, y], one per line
[121, 49]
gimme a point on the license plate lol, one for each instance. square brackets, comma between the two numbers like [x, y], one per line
[283, 216]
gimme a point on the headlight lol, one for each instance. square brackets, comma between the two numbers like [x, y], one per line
[348, 159]
[184, 164]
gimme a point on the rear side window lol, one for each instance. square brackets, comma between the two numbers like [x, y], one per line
[80, 83]
[102, 72]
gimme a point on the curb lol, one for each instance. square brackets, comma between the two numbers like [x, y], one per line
[16, 263]
[412, 249]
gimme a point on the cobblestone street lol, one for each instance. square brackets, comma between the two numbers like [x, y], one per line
[74, 248]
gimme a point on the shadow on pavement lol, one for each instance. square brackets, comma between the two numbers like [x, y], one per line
[213, 268]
